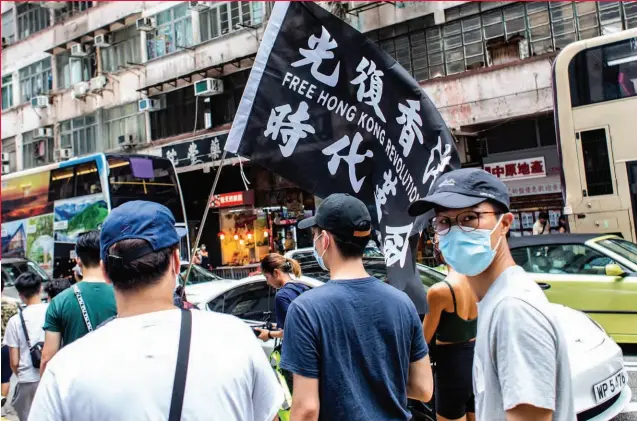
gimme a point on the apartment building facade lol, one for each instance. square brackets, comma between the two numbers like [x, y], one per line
[83, 77]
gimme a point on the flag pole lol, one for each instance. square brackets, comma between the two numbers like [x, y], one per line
[205, 215]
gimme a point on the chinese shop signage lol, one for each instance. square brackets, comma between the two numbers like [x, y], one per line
[518, 169]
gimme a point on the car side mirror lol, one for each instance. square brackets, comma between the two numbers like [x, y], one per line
[614, 270]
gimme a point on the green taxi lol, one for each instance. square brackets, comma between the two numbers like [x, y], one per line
[588, 272]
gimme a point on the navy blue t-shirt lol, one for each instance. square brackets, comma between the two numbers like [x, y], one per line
[358, 338]
[283, 298]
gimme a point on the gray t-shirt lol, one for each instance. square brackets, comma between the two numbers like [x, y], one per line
[521, 352]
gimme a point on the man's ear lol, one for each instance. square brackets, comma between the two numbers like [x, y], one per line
[507, 220]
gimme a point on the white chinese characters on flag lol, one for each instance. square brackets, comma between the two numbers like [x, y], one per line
[327, 109]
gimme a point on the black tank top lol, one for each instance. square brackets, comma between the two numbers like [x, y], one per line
[453, 328]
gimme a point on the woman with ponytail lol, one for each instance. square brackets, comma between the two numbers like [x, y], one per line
[280, 273]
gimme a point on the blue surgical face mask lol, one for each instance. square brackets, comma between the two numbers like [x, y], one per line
[468, 253]
[318, 258]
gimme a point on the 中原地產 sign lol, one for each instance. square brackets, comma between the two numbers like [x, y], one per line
[518, 169]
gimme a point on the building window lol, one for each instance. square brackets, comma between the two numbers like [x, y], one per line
[227, 17]
[7, 92]
[72, 70]
[8, 147]
[72, 8]
[8, 33]
[173, 32]
[79, 134]
[179, 114]
[599, 179]
[603, 73]
[124, 51]
[31, 18]
[224, 106]
[36, 152]
[35, 79]
[480, 34]
[123, 121]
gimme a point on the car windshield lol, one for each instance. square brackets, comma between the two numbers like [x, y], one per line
[198, 275]
[13, 270]
[624, 248]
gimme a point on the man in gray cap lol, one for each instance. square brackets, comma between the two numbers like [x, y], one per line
[521, 368]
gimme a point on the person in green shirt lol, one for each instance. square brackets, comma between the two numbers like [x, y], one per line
[65, 321]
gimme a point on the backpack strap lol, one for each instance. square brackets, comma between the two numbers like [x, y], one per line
[80, 301]
[181, 369]
[24, 327]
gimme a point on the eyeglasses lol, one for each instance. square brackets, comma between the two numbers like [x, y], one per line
[467, 221]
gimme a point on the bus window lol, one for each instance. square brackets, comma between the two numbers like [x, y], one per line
[87, 179]
[604, 73]
[156, 183]
[599, 180]
[62, 184]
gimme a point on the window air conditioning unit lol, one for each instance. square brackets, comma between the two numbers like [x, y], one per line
[6, 169]
[55, 5]
[198, 6]
[5, 158]
[145, 24]
[80, 50]
[40, 101]
[102, 41]
[63, 153]
[208, 87]
[80, 90]
[126, 140]
[148, 104]
[42, 133]
[98, 83]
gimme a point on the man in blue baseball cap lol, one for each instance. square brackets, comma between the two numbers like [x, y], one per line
[521, 368]
[164, 362]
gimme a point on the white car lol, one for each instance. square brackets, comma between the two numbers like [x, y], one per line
[600, 380]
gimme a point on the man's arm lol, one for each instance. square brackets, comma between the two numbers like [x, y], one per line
[52, 342]
[525, 349]
[306, 403]
[420, 384]
[526, 412]
[14, 359]
[301, 356]
[12, 340]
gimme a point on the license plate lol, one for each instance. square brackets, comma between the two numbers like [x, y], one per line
[610, 387]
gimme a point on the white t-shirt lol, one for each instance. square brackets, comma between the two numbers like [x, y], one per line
[125, 371]
[14, 338]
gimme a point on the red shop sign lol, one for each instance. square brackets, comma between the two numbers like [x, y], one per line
[230, 200]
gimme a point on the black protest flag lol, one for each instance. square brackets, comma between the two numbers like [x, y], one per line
[327, 109]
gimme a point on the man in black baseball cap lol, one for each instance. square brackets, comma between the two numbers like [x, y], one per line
[516, 327]
[355, 342]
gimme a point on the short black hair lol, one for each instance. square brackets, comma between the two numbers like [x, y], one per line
[28, 284]
[142, 272]
[87, 248]
[349, 248]
[543, 215]
[56, 286]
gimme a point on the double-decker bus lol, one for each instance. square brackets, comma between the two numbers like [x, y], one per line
[44, 209]
[595, 100]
